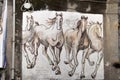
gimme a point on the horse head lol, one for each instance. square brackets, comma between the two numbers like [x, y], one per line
[56, 21]
[98, 29]
[82, 24]
[59, 20]
[30, 22]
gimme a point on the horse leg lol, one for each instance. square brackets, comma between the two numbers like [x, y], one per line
[1, 29]
[52, 49]
[44, 51]
[58, 52]
[31, 49]
[26, 56]
[75, 50]
[71, 58]
[67, 49]
[100, 56]
[87, 56]
[86, 53]
[36, 45]
[83, 63]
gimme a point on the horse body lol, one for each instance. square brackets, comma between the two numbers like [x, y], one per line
[95, 36]
[27, 40]
[70, 38]
[96, 45]
[84, 41]
[49, 36]
[72, 43]
[53, 38]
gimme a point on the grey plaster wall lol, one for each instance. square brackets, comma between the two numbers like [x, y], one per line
[109, 10]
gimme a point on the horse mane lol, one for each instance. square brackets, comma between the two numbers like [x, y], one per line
[78, 24]
[93, 26]
[51, 21]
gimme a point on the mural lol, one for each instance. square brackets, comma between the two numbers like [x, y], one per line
[60, 45]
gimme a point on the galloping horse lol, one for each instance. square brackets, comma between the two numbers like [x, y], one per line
[29, 40]
[74, 42]
[96, 45]
[51, 37]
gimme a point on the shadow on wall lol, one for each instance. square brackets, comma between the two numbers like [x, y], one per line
[116, 65]
[91, 6]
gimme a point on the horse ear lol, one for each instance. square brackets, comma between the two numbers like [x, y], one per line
[98, 22]
[86, 18]
[61, 14]
[56, 14]
[31, 17]
[82, 17]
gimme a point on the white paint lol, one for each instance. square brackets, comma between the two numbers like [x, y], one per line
[42, 69]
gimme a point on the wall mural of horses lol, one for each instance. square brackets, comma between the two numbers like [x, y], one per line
[56, 45]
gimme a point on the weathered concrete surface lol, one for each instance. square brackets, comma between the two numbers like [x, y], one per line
[9, 44]
[110, 43]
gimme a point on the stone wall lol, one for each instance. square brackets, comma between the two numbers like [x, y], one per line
[108, 8]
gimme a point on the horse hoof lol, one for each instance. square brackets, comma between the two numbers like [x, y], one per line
[82, 76]
[93, 76]
[58, 72]
[66, 62]
[92, 63]
[32, 65]
[29, 66]
[70, 74]
[54, 68]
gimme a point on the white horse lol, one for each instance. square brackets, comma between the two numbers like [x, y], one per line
[74, 42]
[28, 41]
[51, 37]
[96, 45]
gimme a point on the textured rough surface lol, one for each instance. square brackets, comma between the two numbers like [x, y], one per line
[9, 44]
[110, 31]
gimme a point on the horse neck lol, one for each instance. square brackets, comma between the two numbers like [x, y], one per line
[32, 28]
[55, 26]
[79, 33]
[92, 33]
